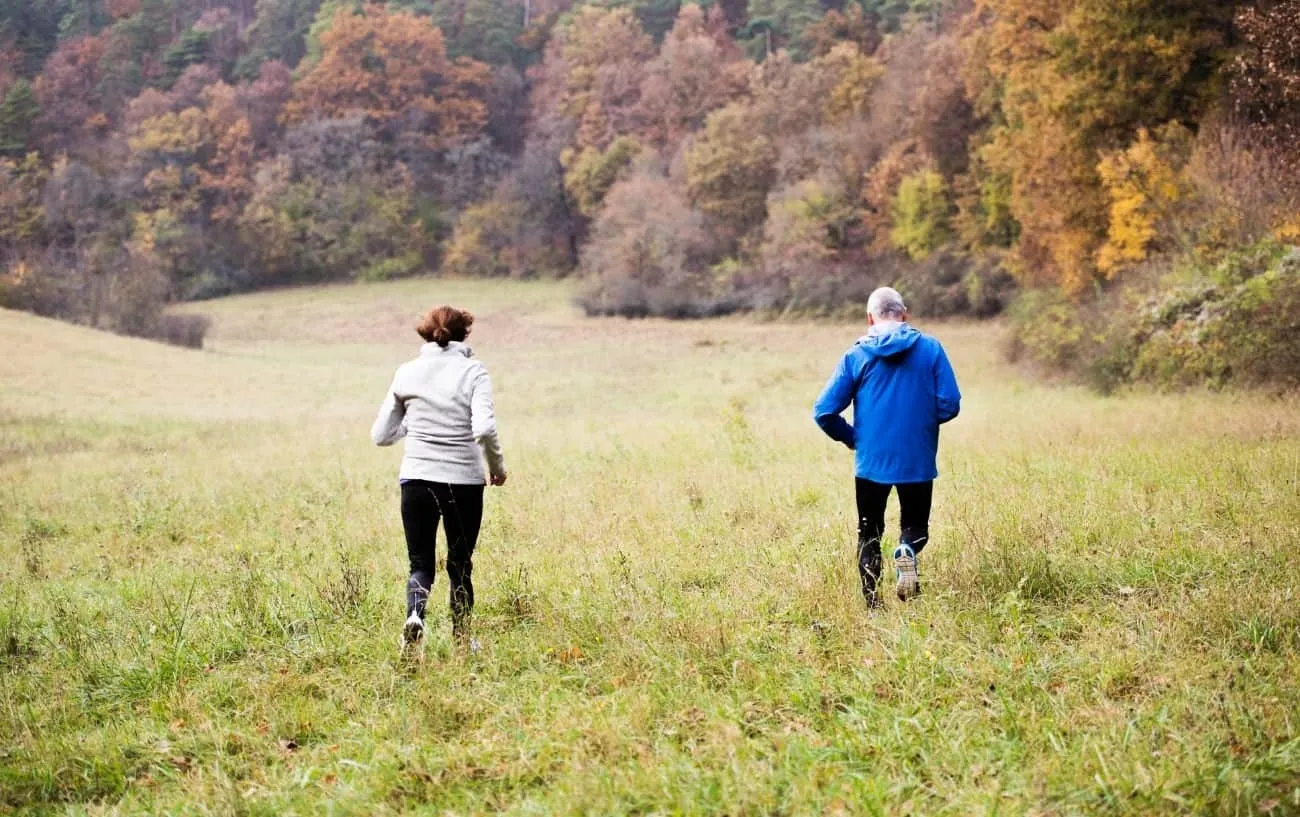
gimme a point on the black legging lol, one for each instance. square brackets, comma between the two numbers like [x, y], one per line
[460, 507]
[914, 500]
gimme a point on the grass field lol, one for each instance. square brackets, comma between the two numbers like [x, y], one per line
[201, 576]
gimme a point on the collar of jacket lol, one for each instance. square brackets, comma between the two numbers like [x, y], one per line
[455, 347]
[882, 328]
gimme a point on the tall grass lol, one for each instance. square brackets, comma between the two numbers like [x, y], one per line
[202, 572]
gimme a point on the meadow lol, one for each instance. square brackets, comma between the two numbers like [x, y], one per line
[201, 575]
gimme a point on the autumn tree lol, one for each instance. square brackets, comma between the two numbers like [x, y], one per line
[392, 68]
[902, 159]
[852, 25]
[33, 29]
[66, 91]
[808, 233]
[592, 75]
[590, 174]
[332, 204]
[649, 254]
[732, 164]
[922, 212]
[264, 99]
[192, 156]
[695, 72]
[225, 179]
[730, 168]
[22, 214]
[11, 63]
[1264, 79]
[78, 210]
[190, 49]
[781, 25]
[527, 227]
[1067, 79]
[945, 120]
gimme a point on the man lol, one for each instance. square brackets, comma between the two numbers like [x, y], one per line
[902, 389]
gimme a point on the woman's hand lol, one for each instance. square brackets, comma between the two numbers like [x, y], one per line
[499, 479]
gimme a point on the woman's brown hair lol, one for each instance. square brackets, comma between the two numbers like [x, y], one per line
[445, 324]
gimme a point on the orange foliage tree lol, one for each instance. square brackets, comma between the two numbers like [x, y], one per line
[392, 67]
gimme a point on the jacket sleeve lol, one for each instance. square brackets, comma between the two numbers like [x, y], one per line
[483, 421]
[390, 423]
[835, 398]
[948, 398]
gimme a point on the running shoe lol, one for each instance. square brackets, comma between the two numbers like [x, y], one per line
[909, 583]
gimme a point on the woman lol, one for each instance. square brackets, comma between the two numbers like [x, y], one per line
[441, 403]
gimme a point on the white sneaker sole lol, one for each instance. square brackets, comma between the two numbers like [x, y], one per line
[908, 581]
[412, 637]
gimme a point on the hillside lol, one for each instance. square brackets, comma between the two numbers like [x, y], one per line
[681, 159]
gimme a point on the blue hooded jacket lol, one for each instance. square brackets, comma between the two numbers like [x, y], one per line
[902, 389]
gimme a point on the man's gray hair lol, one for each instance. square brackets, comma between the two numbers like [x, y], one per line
[885, 304]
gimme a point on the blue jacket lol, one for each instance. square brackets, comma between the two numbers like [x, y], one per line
[902, 389]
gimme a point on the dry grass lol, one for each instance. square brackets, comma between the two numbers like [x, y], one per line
[201, 576]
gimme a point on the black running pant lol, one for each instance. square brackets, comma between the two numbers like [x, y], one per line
[914, 498]
[872, 496]
[460, 508]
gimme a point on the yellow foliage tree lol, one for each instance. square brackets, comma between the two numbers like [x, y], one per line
[856, 76]
[1144, 184]
[589, 174]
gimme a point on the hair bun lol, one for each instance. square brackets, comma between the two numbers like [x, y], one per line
[445, 324]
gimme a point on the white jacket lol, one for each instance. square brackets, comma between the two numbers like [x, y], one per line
[441, 403]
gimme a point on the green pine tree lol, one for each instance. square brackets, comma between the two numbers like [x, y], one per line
[18, 113]
[190, 49]
[485, 30]
[777, 24]
[278, 32]
[893, 14]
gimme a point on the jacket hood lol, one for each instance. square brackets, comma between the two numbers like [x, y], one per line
[889, 340]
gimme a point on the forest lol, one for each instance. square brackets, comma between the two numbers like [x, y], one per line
[1121, 176]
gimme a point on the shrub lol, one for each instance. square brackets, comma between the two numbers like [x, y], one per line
[183, 330]
[482, 237]
[1048, 329]
[387, 269]
[1236, 323]
[1245, 333]
[648, 255]
[948, 283]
